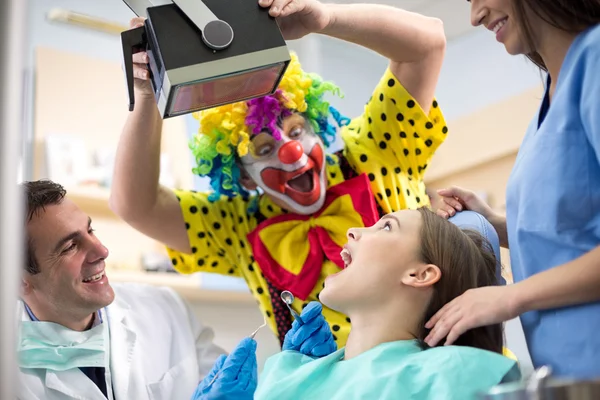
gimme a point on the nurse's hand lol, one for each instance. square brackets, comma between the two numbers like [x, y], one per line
[297, 18]
[237, 375]
[474, 308]
[456, 199]
[314, 337]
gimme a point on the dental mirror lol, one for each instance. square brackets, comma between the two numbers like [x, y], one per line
[288, 299]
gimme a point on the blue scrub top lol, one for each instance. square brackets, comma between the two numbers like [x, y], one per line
[553, 208]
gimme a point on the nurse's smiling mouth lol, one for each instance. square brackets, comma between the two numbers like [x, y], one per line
[498, 26]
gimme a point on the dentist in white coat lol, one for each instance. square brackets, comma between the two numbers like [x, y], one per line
[79, 338]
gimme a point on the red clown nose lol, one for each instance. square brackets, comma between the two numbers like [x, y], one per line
[290, 152]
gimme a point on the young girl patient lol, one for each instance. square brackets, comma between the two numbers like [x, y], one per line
[399, 273]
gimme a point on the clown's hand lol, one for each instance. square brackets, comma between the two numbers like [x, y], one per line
[237, 375]
[140, 66]
[297, 18]
[313, 338]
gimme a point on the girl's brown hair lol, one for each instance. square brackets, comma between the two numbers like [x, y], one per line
[467, 261]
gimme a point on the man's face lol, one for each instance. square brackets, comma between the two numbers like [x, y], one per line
[70, 257]
[291, 171]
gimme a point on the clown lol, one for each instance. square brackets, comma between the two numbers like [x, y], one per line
[289, 235]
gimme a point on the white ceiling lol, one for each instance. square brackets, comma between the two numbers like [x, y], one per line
[454, 13]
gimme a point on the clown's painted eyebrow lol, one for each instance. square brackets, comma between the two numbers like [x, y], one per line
[280, 121]
[279, 124]
[295, 119]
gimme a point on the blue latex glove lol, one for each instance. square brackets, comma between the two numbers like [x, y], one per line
[237, 375]
[314, 338]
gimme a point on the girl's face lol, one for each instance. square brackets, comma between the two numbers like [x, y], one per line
[498, 16]
[380, 260]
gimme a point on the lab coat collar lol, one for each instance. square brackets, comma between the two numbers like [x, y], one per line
[122, 347]
[74, 384]
[21, 313]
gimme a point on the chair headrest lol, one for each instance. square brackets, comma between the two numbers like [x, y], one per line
[475, 221]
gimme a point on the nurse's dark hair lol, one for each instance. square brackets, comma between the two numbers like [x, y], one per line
[466, 261]
[573, 16]
[40, 194]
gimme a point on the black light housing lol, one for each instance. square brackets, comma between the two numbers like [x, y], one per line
[205, 53]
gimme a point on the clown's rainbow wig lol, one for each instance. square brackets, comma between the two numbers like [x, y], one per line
[225, 131]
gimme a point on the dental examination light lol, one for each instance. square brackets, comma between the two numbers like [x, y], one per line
[205, 53]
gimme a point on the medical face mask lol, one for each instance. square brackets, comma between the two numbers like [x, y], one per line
[52, 346]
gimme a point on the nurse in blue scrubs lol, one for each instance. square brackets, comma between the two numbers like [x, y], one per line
[552, 223]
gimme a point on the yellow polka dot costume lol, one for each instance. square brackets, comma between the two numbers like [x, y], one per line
[392, 142]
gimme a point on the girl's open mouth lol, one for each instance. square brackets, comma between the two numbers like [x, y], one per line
[346, 257]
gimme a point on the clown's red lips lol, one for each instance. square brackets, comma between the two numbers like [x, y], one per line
[304, 182]
[301, 185]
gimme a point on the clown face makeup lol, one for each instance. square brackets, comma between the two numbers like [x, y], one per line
[291, 170]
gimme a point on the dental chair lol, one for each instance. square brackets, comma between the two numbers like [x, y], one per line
[474, 221]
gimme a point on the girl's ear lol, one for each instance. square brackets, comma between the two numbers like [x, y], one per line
[423, 276]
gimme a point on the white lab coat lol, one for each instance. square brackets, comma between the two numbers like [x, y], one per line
[158, 351]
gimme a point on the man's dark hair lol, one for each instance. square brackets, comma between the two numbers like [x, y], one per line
[40, 194]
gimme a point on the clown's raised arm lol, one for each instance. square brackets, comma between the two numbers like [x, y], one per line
[289, 236]
[414, 44]
[402, 124]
